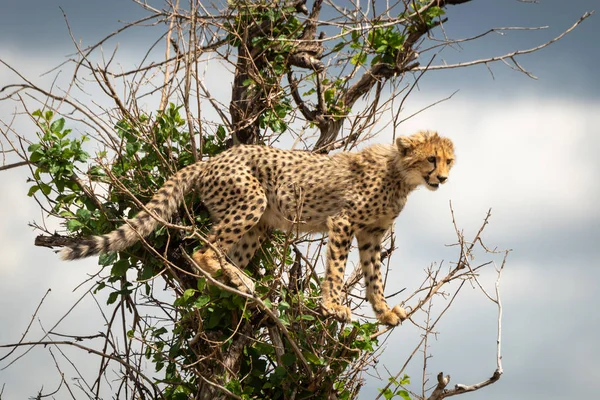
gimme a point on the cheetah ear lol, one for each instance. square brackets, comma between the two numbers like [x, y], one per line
[405, 144]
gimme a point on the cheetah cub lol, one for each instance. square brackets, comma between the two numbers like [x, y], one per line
[252, 189]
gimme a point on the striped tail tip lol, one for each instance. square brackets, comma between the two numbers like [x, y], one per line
[66, 254]
[85, 248]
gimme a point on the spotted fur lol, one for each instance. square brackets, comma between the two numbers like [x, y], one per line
[251, 189]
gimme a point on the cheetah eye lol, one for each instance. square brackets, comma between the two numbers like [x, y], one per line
[431, 159]
[449, 161]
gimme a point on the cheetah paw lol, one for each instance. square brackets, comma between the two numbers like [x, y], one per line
[339, 312]
[240, 280]
[209, 263]
[392, 317]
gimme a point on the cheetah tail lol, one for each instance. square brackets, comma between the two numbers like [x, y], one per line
[164, 203]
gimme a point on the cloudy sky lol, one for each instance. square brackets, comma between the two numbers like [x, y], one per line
[526, 148]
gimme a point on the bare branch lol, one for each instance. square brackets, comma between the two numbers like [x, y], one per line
[13, 165]
[508, 55]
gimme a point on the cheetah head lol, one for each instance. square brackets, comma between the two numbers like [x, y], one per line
[426, 158]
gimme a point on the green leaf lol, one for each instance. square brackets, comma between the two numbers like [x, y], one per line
[55, 168]
[67, 154]
[66, 213]
[264, 348]
[359, 59]
[112, 298]
[32, 190]
[329, 95]
[58, 125]
[46, 189]
[160, 331]
[435, 12]
[36, 156]
[387, 393]
[185, 297]
[100, 286]
[396, 41]
[405, 380]
[283, 305]
[120, 268]
[404, 394]
[279, 372]
[214, 319]
[146, 273]
[202, 301]
[234, 386]
[306, 317]
[312, 358]
[221, 133]
[84, 214]
[82, 156]
[288, 359]
[107, 258]
[188, 293]
[338, 47]
[74, 225]
[34, 147]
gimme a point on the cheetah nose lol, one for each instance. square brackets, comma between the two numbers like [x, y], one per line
[442, 179]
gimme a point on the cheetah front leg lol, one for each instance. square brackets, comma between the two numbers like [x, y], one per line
[340, 239]
[369, 245]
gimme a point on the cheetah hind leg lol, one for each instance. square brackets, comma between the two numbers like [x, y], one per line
[209, 262]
